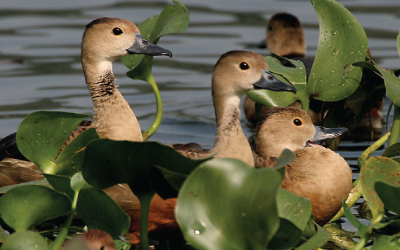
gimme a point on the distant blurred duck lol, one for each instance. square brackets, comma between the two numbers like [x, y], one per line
[317, 173]
[285, 37]
[235, 73]
[94, 239]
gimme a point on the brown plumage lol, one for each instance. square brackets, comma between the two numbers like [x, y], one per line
[317, 173]
[235, 73]
[94, 239]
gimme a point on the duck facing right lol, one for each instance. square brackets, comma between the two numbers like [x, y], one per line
[318, 173]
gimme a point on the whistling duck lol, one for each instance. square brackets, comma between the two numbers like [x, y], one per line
[94, 239]
[235, 73]
[285, 37]
[317, 173]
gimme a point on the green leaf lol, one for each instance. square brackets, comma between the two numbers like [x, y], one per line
[389, 193]
[363, 229]
[94, 206]
[392, 151]
[398, 43]
[287, 236]
[221, 206]
[24, 207]
[296, 75]
[385, 242]
[318, 240]
[173, 19]
[342, 42]
[26, 240]
[41, 135]
[377, 169]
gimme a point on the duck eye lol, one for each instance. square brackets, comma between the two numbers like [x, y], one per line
[298, 122]
[102, 248]
[244, 65]
[270, 27]
[117, 31]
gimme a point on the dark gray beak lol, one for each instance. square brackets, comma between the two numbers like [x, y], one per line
[322, 133]
[262, 44]
[142, 46]
[268, 81]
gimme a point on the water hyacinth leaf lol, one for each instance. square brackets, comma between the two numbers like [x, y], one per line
[26, 206]
[69, 162]
[390, 195]
[222, 191]
[318, 240]
[392, 151]
[342, 41]
[398, 43]
[41, 135]
[294, 212]
[173, 19]
[377, 169]
[27, 240]
[107, 163]
[94, 206]
[295, 74]
[382, 241]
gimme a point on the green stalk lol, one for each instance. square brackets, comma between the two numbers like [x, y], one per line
[394, 138]
[157, 119]
[356, 191]
[59, 241]
[145, 201]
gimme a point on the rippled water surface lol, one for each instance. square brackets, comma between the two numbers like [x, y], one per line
[40, 57]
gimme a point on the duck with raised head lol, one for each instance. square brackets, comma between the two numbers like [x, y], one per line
[235, 73]
[317, 173]
[104, 41]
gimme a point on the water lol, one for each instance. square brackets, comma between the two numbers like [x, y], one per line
[40, 63]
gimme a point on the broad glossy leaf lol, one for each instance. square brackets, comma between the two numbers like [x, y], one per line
[377, 169]
[26, 240]
[94, 206]
[318, 240]
[41, 135]
[385, 242]
[296, 75]
[392, 151]
[294, 212]
[226, 204]
[24, 207]
[342, 42]
[173, 19]
[107, 163]
[390, 195]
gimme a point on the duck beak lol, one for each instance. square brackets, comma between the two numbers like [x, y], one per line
[268, 81]
[322, 133]
[143, 46]
[262, 44]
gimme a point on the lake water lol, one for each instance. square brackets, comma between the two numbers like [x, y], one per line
[40, 57]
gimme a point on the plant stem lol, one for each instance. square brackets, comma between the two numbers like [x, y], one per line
[394, 138]
[59, 241]
[145, 201]
[356, 192]
[157, 119]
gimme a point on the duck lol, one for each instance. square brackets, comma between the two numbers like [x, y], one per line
[94, 239]
[317, 173]
[284, 37]
[235, 73]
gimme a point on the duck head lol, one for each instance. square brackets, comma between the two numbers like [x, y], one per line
[107, 39]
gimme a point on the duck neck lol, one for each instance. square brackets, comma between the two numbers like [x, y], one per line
[113, 117]
[230, 140]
